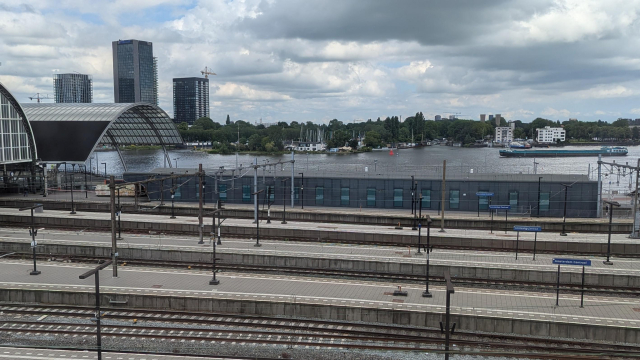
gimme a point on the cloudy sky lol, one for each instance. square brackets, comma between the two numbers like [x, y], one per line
[315, 60]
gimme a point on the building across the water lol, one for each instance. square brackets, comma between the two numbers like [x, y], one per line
[135, 72]
[504, 134]
[549, 135]
[72, 88]
[190, 99]
[307, 146]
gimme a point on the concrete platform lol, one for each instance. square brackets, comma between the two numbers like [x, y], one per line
[48, 354]
[624, 273]
[580, 243]
[513, 312]
[365, 216]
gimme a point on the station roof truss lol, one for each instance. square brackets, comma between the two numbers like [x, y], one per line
[72, 132]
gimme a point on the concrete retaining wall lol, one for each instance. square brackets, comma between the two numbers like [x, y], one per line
[298, 309]
[364, 266]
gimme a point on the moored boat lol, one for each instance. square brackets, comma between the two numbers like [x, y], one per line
[604, 151]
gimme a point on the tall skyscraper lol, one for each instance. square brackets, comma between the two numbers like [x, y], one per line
[72, 88]
[155, 79]
[190, 99]
[134, 72]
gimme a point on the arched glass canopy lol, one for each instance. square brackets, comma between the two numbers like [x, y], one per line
[71, 132]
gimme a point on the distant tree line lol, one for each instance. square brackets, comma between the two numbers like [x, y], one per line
[580, 130]
[379, 132]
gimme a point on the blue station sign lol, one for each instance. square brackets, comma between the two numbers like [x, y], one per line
[484, 194]
[579, 262]
[527, 228]
[500, 207]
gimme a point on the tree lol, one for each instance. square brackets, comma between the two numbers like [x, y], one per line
[204, 123]
[255, 142]
[228, 122]
[372, 139]
[183, 126]
[635, 133]
[621, 123]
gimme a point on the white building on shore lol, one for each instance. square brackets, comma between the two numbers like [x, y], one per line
[504, 134]
[549, 135]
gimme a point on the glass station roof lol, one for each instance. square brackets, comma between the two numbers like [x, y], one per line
[129, 124]
[71, 132]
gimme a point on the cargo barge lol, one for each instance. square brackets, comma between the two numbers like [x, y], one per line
[604, 151]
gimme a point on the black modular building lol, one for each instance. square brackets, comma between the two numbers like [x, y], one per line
[541, 195]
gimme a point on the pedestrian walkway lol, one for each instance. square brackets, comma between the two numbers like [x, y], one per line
[343, 228]
[409, 255]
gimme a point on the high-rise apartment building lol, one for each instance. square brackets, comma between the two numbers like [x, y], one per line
[135, 76]
[190, 99]
[72, 88]
[483, 117]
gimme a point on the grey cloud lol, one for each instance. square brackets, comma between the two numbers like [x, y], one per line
[29, 8]
[429, 22]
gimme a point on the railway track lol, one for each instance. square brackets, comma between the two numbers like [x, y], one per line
[201, 328]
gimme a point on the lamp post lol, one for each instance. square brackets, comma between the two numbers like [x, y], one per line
[214, 281]
[220, 207]
[65, 174]
[176, 160]
[284, 201]
[119, 212]
[412, 200]
[611, 205]
[539, 178]
[73, 174]
[33, 232]
[44, 180]
[105, 169]
[86, 189]
[268, 198]
[564, 218]
[257, 244]
[414, 204]
[448, 331]
[419, 236]
[426, 292]
[96, 273]
[302, 190]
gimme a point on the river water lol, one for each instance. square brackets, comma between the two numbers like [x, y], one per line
[404, 161]
[459, 160]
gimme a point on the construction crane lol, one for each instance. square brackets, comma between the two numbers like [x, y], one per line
[38, 97]
[206, 72]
